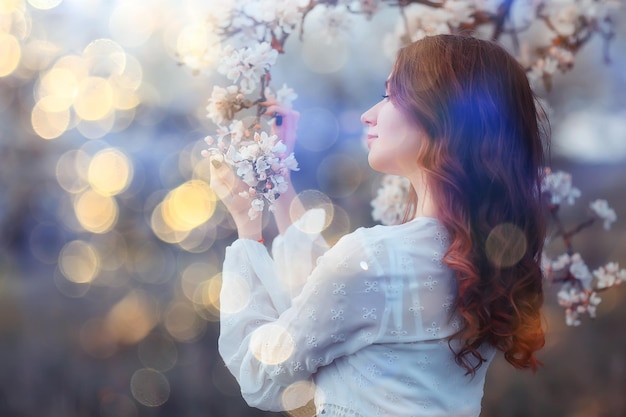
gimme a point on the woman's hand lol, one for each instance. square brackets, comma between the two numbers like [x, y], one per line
[285, 123]
[228, 187]
[287, 208]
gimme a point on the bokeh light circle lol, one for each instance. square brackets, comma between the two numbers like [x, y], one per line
[150, 387]
[94, 98]
[271, 344]
[44, 4]
[298, 395]
[110, 172]
[79, 262]
[506, 245]
[71, 171]
[312, 199]
[49, 124]
[10, 54]
[339, 176]
[95, 212]
[189, 205]
[182, 322]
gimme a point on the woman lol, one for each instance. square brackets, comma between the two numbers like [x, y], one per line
[403, 320]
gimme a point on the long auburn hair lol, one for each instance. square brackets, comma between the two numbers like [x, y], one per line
[482, 163]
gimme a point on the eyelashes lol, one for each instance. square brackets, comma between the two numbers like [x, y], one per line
[384, 96]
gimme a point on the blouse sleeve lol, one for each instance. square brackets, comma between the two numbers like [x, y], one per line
[296, 252]
[336, 314]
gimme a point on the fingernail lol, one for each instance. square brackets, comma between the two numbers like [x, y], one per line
[279, 119]
[216, 164]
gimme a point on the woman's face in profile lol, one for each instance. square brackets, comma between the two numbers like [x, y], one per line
[393, 139]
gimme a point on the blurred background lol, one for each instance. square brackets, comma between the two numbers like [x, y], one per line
[111, 241]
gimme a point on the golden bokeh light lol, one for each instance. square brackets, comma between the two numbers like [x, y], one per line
[75, 64]
[193, 276]
[202, 170]
[200, 239]
[96, 129]
[198, 45]
[44, 4]
[339, 226]
[49, 124]
[37, 54]
[58, 87]
[104, 58]
[131, 76]
[94, 99]
[297, 395]
[132, 318]
[11, 6]
[150, 387]
[71, 171]
[271, 344]
[162, 229]
[110, 172]
[189, 205]
[96, 213]
[182, 322]
[10, 54]
[79, 262]
[505, 245]
[207, 298]
[69, 288]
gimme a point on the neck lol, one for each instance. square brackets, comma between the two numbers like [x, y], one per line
[426, 205]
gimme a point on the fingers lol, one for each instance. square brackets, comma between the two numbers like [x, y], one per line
[285, 122]
[274, 108]
[222, 177]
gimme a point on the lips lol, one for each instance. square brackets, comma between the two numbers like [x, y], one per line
[370, 139]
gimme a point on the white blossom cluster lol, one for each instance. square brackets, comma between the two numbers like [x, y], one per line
[556, 58]
[252, 33]
[421, 21]
[390, 202]
[566, 16]
[579, 286]
[602, 210]
[247, 65]
[559, 186]
[258, 159]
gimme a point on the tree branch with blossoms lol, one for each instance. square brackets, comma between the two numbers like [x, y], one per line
[252, 34]
[579, 289]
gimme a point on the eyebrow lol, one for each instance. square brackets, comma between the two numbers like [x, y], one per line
[386, 85]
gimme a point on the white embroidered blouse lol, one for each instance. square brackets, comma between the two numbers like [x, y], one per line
[365, 325]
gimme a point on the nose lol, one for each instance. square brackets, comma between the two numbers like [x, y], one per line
[369, 117]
